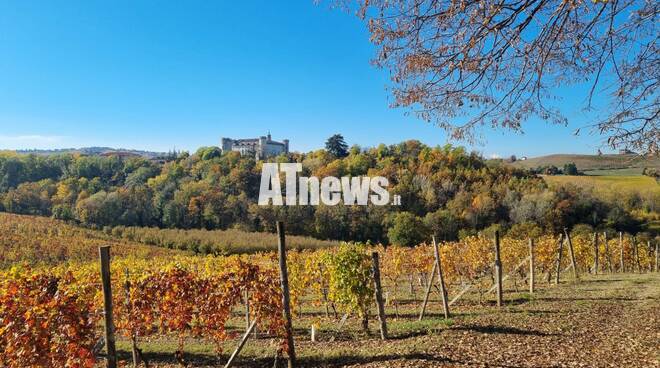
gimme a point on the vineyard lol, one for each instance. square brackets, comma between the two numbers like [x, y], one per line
[57, 310]
[43, 241]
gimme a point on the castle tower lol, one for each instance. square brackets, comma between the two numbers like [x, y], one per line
[226, 144]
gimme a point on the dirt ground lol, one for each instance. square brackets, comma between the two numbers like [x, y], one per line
[600, 321]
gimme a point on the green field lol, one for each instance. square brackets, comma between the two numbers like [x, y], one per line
[631, 164]
[641, 184]
[631, 171]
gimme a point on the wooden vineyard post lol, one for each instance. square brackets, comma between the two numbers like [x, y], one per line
[324, 293]
[639, 266]
[559, 255]
[572, 254]
[247, 314]
[241, 344]
[286, 298]
[634, 254]
[596, 253]
[531, 266]
[498, 269]
[607, 252]
[111, 356]
[246, 298]
[656, 256]
[378, 294]
[127, 303]
[441, 278]
[429, 285]
[622, 267]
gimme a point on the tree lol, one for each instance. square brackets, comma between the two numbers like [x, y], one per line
[621, 220]
[464, 64]
[101, 208]
[407, 229]
[30, 198]
[570, 169]
[443, 224]
[337, 146]
[208, 153]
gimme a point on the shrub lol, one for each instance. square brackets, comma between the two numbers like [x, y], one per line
[350, 284]
[407, 229]
[525, 230]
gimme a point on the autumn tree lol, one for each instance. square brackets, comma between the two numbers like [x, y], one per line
[462, 64]
[407, 229]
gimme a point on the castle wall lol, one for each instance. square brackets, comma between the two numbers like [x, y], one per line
[261, 148]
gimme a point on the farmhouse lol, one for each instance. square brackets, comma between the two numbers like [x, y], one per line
[261, 147]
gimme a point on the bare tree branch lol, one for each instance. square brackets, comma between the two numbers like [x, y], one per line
[463, 64]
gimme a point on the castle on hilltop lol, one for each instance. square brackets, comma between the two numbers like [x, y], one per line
[260, 148]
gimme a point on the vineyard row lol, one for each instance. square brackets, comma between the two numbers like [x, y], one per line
[51, 317]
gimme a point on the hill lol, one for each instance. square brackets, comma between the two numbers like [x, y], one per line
[628, 164]
[642, 185]
[93, 151]
[45, 241]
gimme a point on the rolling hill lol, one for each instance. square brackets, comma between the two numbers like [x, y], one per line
[622, 164]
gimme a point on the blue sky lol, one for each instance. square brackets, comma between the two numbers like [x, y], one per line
[161, 74]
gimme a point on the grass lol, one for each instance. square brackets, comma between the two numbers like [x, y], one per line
[631, 171]
[640, 184]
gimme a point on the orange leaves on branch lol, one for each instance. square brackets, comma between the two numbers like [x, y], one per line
[185, 303]
[44, 325]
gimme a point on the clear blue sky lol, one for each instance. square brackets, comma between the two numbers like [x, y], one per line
[158, 74]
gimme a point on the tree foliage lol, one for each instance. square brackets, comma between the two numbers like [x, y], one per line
[445, 190]
[465, 64]
[337, 146]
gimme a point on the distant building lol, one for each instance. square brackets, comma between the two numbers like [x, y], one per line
[626, 151]
[260, 148]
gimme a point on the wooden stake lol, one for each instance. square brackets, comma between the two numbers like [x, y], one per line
[413, 294]
[622, 267]
[378, 294]
[341, 324]
[127, 303]
[531, 266]
[111, 357]
[246, 296]
[596, 255]
[441, 278]
[639, 266]
[498, 269]
[511, 273]
[634, 250]
[429, 285]
[286, 298]
[656, 256]
[607, 252]
[559, 256]
[241, 344]
[460, 294]
[313, 333]
[572, 254]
